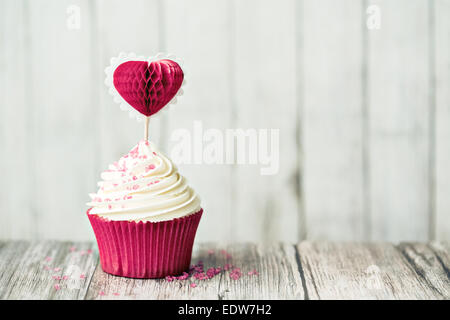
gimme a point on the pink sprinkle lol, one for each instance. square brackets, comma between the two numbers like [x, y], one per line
[135, 187]
[184, 276]
[82, 276]
[65, 277]
[211, 272]
[101, 293]
[146, 143]
[57, 286]
[72, 249]
[57, 277]
[193, 285]
[200, 276]
[149, 167]
[109, 207]
[253, 273]
[157, 181]
[129, 197]
[134, 178]
[169, 278]
[235, 274]
[115, 184]
[116, 294]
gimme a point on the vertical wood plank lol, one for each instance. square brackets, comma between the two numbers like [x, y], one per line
[64, 123]
[332, 121]
[264, 83]
[198, 31]
[442, 130]
[398, 88]
[123, 26]
[16, 212]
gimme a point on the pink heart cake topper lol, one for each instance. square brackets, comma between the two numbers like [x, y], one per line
[148, 86]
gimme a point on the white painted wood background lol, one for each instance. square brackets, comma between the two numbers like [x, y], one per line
[364, 115]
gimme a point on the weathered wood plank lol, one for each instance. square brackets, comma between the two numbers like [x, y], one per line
[442, 251]
[46, 270]
[63, 120]
[278, 277]
[10, 257]
[204, 45]
[428, 266]
[398, 109]
[442, 117]
[263, 80]
[360, 271]
[332, 120]
[16, 207]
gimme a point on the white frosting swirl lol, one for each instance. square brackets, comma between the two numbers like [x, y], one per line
[143, 185]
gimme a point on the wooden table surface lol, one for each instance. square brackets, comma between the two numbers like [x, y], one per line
[309, 270]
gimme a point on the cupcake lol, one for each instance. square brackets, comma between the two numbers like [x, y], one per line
[144, 214]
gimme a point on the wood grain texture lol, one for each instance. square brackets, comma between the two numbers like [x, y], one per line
[442, 117]
[428, 266]
[278, 273]
[278, 277]
[28, 270]
[60, 104]
[442, 251]
[10, 257]
[362, 271]
[332, 120]
[398, 103]
[310, 270]
[266, 206]
[17, 211]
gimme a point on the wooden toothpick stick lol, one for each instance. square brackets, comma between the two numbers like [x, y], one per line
[147, 119]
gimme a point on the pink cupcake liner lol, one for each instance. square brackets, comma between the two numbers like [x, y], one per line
[145, 249]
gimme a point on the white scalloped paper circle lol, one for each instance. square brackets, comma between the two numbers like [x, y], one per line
[125, 106]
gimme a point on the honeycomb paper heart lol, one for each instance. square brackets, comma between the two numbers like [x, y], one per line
[148, 87]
